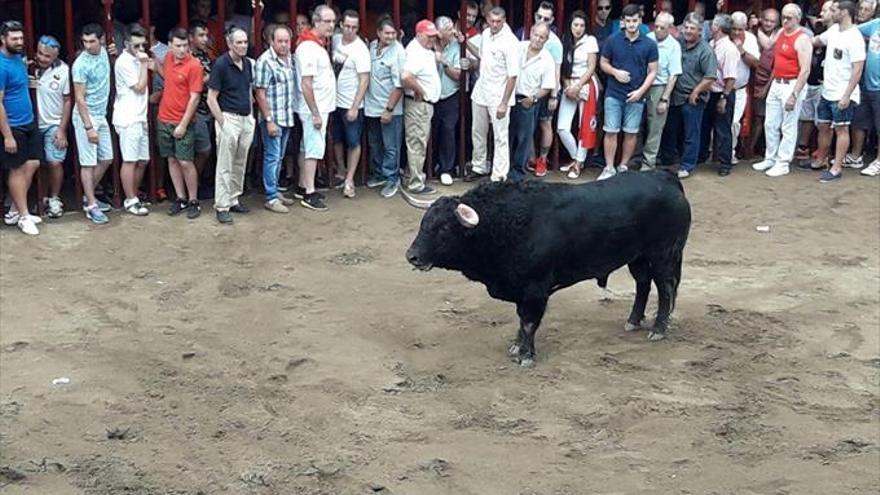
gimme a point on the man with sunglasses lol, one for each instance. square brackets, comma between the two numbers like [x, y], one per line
[54, 105]
[21, 139]
[603, 26]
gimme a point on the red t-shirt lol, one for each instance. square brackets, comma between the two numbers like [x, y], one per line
[182, 77]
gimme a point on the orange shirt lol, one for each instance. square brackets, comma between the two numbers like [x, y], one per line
[182, 77]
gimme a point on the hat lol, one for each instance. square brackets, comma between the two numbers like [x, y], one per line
[426, 27]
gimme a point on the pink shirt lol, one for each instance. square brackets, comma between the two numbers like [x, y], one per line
[728, 57]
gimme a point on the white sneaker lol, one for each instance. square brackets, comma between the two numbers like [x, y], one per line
[853, 161]
[446, 179]
[872, 170]
[55, 207]
[622, 168]
[135, 207]
[778, 170]
[683, 174]
[763, 165]
[27, 225]
[607, 173]
[733, 159]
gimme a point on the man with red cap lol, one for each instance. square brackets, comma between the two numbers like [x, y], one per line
[421, 83]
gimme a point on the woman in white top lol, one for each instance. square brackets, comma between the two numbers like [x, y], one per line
[579, 58]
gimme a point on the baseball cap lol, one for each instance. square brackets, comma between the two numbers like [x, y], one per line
[426, 27]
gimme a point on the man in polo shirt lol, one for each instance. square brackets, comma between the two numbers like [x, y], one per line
[421, 82]
[537, 78]
[668, 70]
[21, 138]
[698, 72]
[184, 79]
[317, 99]
[793, 53]
[54, 105]
[749, 53]
[130, 115]
[493, 96]
[844, 63]
[448, 53]
[275, 84]
[351, 57]
[722, 97]
[630, 61]
[384, 108]
[91, 87]
[229, 98]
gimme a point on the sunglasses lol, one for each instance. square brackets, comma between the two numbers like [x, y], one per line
[606, 7]
[542, 18]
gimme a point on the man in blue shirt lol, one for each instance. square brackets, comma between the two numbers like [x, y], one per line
[630, 60]
[870, 105]
[21, 139]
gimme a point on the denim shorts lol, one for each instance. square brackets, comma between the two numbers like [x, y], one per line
[544, 113]
[51, 153]
[89, 153]
[314, 141]
[202, 130]
[827, 112]
[348, 133]
[617, 111]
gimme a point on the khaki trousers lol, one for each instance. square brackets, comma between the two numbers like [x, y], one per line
[234, 140]
[417, 122]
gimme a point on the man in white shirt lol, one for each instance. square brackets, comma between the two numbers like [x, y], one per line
[351, 58]
[537, 78]
[493, 96]
[317, 99]
[844, 62]
[130, 115]
[668, 70]
[747, 44]
[54, 105]
[421, 83]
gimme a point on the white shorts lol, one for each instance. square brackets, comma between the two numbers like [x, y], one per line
[314, 141]
[134, 142]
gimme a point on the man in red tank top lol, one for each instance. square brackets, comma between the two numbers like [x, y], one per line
[792, 54]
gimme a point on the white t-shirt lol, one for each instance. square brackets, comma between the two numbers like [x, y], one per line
[499, 60]
[842, 50]
[357, 61]
[53, 86]
[312, 60]
[536, 73]
[129, 107]
[743, 71]
[423, 65]
[584, 47]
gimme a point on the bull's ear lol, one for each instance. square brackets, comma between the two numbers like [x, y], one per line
[467, 216]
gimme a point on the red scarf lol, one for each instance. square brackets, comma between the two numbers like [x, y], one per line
[589, 129]
[309, 35]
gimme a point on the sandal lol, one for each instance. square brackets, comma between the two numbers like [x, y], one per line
[574, 171]
[348, 189]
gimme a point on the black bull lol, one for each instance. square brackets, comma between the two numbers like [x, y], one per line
[526, 241]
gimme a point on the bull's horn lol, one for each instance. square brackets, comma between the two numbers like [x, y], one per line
[467, 216]
[420, 203]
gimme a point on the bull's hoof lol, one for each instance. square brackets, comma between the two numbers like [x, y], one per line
[527, 363]
[514, 349]
[632, 327]
[654, 336]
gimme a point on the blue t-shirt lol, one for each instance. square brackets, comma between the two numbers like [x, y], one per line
[631, 56]
[613, 28]
[871, 77]
[14, 84]
[94, 72]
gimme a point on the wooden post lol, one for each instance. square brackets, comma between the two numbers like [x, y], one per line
[183, 14]
[114, 167]
[691, 5]
[71, 55]
[462, 90]
[395, 12]
[592, 13]
[292, 9]
[152, 171]
[527, 18]
[560, 16]
[37, 186]
[430, 9]
[221, 16]
[258, 27]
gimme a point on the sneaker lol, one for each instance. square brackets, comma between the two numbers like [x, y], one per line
[872, 170]
[322, 183]
[177, 207]
[27, 226]
[853, 161]
[566, 167]
[829, 176]
[622, 168]
[240, 208]
[276, 206]
[348, 190]
[134, 206]
[96, 215]
[530, 165]
[225, 217]
[105, 207]
[390, 189]
[607, 173]
[683, 174]
[12, 217]
[778, 170]
[424, 190]
[300, 193]
[763, 165]
[734, 160]
[285, 200]
[313, 202]
[54, 207]
[193, 209]
[446, 179]
[802, 153]
[540, 167]
[374, 183]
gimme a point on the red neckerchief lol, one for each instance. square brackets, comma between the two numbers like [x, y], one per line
[308, 35]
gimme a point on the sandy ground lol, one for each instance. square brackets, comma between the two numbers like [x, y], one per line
[300, 354]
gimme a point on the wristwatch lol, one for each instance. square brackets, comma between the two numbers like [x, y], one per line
[268, 118]
[389, 109]
[664, 100]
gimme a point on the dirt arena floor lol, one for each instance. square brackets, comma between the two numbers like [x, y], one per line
[300, 354]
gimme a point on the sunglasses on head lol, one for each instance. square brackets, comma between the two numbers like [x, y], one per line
[49, 41]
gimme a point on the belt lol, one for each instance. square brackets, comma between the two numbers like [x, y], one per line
[413, 98]
[784, 80]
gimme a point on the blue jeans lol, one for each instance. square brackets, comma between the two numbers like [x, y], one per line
[273, 152]
[384, 142]
[720, 126]
[521, 134]
[687, 118]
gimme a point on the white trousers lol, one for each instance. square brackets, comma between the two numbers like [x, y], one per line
[780, 126]
[567, 109]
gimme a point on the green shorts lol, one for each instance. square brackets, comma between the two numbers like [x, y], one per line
[169, 146]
